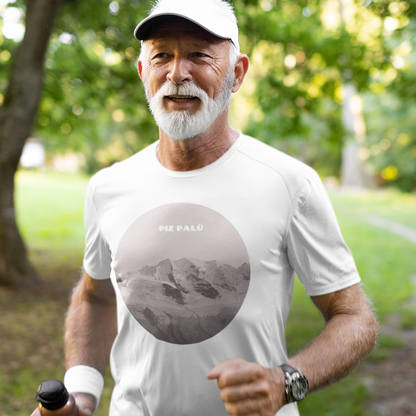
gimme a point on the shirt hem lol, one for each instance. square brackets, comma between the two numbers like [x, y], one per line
[332, 288]
[95, 276]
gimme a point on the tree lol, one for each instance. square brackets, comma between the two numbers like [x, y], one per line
[17, 116]
[92, 45]
[390, 150]
[93, 102]
[302, 58]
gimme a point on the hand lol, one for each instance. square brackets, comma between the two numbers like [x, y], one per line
[85, 405]
[249, 388]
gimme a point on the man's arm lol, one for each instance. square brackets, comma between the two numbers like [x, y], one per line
[348, 336]
[91, 325]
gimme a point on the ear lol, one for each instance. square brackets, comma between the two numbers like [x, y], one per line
[240, 71]
[140, 68]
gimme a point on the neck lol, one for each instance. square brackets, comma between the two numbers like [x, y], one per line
[200, 151]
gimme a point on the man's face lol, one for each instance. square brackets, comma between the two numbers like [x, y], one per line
[187, 77]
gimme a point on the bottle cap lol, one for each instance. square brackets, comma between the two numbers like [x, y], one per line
[52, 394]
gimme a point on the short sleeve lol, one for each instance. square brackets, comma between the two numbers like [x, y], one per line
[316, 249]
[97, 255]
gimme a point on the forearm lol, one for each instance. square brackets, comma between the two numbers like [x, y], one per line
[349, 335]
[90, 329]
[343, 343]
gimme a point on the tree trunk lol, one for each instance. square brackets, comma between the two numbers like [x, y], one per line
[352, 169]
[17, 116]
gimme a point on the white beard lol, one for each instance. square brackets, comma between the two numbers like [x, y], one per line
[181, 125]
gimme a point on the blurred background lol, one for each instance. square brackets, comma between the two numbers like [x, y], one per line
[331, 82]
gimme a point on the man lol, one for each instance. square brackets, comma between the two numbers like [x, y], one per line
[192, 245]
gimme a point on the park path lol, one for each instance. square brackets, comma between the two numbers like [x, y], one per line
[392, 382]
[400, 229]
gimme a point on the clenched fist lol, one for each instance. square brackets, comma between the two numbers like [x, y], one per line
[248, 388]
[85, 406]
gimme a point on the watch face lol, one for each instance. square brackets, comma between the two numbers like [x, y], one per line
[299, 387]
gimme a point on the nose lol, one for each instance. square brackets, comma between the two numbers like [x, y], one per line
[179, 71]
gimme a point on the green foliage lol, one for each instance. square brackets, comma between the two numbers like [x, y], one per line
[300, 101]
[302, 53]
[390, 144]
[303, 66]
[93, 98]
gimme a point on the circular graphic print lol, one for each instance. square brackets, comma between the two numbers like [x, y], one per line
[183, 271]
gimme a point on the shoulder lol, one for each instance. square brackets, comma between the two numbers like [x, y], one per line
[292, 171]
[113, 174]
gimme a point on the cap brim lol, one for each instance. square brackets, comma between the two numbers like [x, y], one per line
[142, 30]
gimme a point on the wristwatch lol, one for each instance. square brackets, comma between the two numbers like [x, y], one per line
[296, 384]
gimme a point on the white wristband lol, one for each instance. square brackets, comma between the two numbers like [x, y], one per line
[84, 379]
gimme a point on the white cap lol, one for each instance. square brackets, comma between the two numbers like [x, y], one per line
[208, 14]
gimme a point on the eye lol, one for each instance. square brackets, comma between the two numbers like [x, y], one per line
[161, 55]
[199, 55]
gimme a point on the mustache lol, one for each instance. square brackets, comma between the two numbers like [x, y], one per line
[188, 89]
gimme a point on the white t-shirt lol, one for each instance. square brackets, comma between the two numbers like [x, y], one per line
[203, 263]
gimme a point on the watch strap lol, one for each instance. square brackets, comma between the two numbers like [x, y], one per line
[288, 369]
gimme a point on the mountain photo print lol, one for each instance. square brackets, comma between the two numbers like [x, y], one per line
[186, 281]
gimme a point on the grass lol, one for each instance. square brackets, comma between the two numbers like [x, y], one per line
[408, 318]
[386, 345]
[385, 261]
[50, 214]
